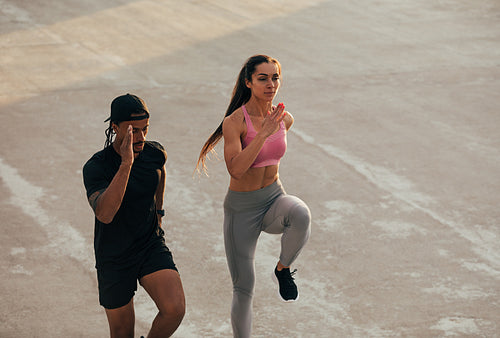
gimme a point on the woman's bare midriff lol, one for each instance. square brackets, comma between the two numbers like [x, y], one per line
[255, 179]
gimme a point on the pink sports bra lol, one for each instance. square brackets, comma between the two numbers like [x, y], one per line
[273, 149]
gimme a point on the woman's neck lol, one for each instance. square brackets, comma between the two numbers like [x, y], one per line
[258, 107]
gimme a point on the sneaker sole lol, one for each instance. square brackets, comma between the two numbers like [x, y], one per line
[275, 279]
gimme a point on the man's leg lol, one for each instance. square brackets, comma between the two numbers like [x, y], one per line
[121, 321]
[165, 288]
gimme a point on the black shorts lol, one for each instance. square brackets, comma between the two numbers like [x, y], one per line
[117, 285]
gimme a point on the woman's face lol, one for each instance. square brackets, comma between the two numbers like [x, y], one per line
[265, 81]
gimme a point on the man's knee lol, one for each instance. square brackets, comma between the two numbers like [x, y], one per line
[122, 331]
[122, 328]
[173, 310]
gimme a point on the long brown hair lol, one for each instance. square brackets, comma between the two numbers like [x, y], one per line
[241, 95]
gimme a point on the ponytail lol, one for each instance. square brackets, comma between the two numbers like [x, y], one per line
[241, 94]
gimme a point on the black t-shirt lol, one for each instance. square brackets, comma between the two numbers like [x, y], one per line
[134, 228]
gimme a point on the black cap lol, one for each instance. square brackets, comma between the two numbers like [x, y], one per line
[124, 106]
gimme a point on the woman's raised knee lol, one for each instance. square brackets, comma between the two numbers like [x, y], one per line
[300, 216]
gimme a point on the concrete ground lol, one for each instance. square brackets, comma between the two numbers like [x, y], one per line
[395, 148]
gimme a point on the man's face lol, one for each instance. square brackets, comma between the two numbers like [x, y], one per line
[139, 132]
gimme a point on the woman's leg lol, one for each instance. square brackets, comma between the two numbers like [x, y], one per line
[241, 232]
[290, 216]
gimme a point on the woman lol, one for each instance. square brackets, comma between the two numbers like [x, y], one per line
[254, 141]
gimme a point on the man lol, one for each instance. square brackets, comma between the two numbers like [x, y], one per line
[125, 183]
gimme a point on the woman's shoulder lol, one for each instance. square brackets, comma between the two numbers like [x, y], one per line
[234, 124]
[236, 118]
[288, 119]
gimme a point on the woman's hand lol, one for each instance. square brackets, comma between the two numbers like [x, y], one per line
[273, 119]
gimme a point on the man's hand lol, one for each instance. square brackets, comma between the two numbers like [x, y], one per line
[126, 148]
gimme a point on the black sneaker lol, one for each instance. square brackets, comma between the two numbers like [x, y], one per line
[288, 289]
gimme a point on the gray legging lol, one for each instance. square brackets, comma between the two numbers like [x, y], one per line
[246, 214]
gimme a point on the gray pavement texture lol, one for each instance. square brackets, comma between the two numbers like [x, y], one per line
[396, 149]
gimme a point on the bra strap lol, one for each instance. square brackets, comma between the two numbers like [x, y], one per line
[247, 118]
